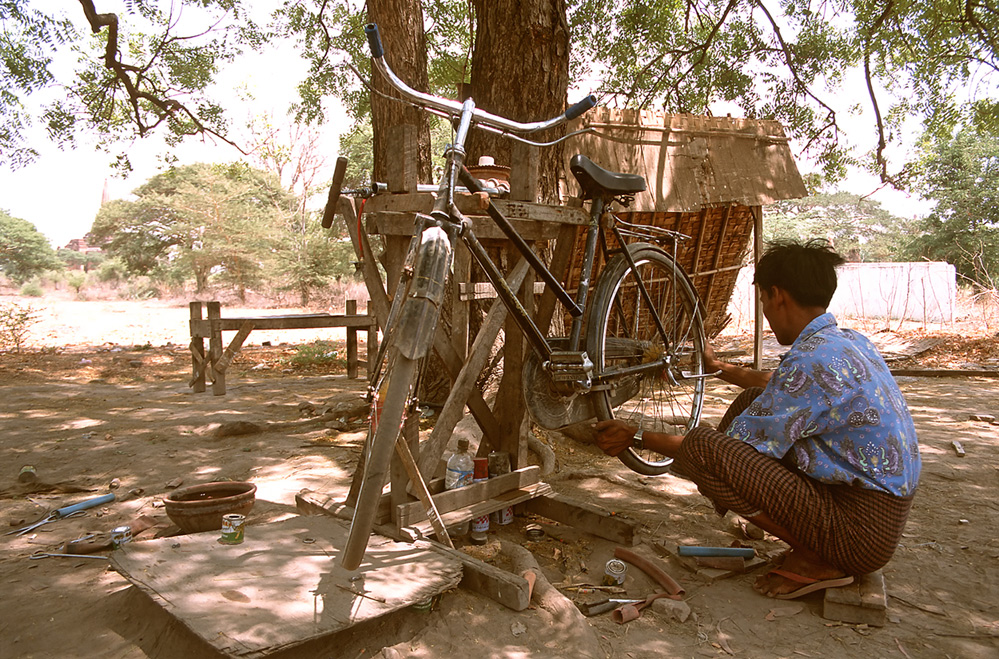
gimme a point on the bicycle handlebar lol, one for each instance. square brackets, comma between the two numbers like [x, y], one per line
[454, 107]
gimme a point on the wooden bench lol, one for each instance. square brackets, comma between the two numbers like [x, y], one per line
[214, 364]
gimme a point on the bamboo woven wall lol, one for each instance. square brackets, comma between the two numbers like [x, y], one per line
[719, 241]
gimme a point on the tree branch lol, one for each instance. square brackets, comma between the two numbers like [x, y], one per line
[165, 108]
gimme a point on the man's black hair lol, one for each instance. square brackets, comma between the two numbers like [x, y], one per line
[806, 271]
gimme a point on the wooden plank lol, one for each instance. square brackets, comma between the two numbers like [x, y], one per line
[485, 290]
[469, 205]
[203, 328]
[449, 500]
[282, 586]
[401, 224]
[230, 352]
[427, 501]
[511, 498]
[314, 503]
[585, 517]
[508, 589]
[454, 406]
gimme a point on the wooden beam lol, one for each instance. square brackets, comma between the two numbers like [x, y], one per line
[510, 590]
[585, 517]
[454, 407]
[449, 500]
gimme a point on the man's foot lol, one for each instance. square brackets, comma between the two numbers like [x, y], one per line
[797, 576]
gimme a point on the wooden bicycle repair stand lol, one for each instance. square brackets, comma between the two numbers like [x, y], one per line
[401, 515]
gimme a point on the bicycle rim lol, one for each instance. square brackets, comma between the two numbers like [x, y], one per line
[387, 414]
[622, 332]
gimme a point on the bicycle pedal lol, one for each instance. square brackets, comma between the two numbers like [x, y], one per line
[568, 366]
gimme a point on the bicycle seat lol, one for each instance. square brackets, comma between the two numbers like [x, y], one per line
[599, 182]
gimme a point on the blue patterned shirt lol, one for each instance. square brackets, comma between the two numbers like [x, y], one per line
[833, 410]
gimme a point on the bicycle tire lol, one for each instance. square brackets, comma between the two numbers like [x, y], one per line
[387, 414]
[620, 331]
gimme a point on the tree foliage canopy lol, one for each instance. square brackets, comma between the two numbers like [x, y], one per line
[24, 252]
[961, 174]
[791, 60]
[199, 220]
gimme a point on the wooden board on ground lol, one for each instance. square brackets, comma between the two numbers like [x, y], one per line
[282, 586]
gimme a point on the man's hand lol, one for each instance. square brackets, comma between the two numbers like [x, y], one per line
[614, 436]
[711, 363]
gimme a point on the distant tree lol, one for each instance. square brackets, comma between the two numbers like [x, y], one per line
[858, 227]
[24, 252]
[961, 174]
[85, 261]
[203, 220]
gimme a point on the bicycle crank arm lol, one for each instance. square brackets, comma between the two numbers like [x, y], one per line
[696, 376]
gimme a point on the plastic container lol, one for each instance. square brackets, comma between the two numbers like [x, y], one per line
[459, 473]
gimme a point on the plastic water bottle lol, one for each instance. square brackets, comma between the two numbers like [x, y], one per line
[459, 473]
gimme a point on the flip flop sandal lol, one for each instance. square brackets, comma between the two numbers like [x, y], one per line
[810, 585]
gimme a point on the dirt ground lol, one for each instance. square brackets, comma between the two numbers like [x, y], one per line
[101, 397]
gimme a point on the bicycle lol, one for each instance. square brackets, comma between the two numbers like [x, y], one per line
[639, 359]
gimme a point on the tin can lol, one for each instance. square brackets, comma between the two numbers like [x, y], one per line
[614, 572]
[480, 524]
[232, 529]
[27, 474]
[534, 533]
[504, 515]
[480, 469]
[499, 463]
[121, 535]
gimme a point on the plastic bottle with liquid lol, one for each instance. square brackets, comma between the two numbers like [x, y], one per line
[459, 473]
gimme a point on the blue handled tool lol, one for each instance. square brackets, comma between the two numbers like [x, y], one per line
[738, 552]
[74, 510]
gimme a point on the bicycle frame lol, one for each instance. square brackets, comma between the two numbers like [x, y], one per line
[447, 217]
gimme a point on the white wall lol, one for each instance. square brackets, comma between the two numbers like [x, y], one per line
[922, 292]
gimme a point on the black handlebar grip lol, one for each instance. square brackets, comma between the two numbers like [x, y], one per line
[374, 40]
[331, 202]
[581, 107]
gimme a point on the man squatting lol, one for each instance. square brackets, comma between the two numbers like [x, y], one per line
[821, 453]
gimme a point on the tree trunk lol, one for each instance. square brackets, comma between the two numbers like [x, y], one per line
[400, 23]
[520, 70]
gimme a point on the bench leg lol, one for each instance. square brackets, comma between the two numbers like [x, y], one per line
[197, 353]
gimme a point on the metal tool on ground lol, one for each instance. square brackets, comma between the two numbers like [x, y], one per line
[603, 604]
[631, 611]
[75, 510]
[43, 554]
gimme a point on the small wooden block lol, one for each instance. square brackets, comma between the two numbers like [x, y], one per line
[864, 602]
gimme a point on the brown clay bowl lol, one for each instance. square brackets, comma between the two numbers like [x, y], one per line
[200, 507]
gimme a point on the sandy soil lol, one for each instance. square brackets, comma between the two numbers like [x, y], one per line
[111, 403]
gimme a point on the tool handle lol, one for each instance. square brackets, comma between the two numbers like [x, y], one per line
[83, 505]
[740, 552]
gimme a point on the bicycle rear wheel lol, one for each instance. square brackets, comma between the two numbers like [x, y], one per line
[621, 332]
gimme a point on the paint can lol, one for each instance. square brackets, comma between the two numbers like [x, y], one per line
[614, 572]
[121, 535]
[232, 529]
[504, 515]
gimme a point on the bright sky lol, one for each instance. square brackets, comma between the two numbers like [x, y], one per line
[61, 193]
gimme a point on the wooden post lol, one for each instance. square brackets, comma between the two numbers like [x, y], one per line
[757, 304]
[524, 164]
[403, 167]
[351, 342]
[215, 348]
[197, 352]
